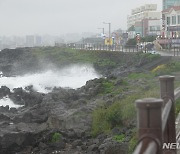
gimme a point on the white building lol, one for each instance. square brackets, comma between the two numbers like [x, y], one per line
[30, 41]
[146, 20]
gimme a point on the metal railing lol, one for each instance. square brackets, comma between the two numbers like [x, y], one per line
[115, 47]
[174, 51]
[156, 120]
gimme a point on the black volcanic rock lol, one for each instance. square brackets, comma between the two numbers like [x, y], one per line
[4, 91]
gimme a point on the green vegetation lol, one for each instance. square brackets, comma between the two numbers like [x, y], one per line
[119, 138]
[148, 39]
[70, 56]
[56, 137]
[133, 142]
[167, 68]
[109, 86]
[142, 39]
[131, 42]
[177, 107]
[99, 59]
[119, 114]
[141, 76]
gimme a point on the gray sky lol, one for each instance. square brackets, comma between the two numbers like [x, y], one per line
[55, 17]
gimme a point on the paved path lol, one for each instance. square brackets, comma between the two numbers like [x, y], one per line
[166, 53]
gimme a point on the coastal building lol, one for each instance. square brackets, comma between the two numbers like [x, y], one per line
[144, 20]
[171, 22]
[169, 3]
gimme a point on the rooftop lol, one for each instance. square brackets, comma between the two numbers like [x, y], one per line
[176, 8]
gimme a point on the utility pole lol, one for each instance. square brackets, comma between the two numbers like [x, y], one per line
[103, 34]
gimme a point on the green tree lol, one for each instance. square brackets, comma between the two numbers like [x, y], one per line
[131, 42]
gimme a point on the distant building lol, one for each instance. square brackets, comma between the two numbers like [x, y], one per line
[30, 41]
[169, 3]
[171, 22]
[38, 41]
[144, 20]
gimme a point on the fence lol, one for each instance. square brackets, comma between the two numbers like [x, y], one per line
[156, 120]
[174, 51]
[129, 48]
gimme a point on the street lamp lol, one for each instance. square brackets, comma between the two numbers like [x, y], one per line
[102, 30]
[109, 31]
[109, 28]
[103, 34]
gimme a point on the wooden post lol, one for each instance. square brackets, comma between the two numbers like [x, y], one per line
[167, 92]
[149, 112]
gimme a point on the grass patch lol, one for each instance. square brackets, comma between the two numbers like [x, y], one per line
[140, 75]
[113, 86]
[107, 86]
[119, 138]
[56, 137]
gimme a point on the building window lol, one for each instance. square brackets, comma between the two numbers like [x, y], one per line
[168, 20]
[178, 19]
[154, 28]
[173, 20]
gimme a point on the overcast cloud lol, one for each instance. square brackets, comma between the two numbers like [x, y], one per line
[55, 17]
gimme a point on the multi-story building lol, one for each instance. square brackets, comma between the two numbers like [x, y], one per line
[171, 22]
[145, 20]
[30, 40]
[169, 3]
[38, 41]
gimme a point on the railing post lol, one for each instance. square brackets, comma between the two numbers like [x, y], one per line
[149, 112]
[167, 92]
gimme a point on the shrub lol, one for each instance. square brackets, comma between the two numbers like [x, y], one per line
[99, 124]
[177, 107]
[119, 113]
[167, 68]
[107, 86]
[119, 138]
[56, 137]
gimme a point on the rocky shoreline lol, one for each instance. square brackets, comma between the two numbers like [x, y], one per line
[29, 129]
[59, 121]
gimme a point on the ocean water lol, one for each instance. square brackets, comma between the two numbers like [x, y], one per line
[7, 101]
[74, 76]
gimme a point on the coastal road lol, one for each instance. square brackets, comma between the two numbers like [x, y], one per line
[170, 53]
